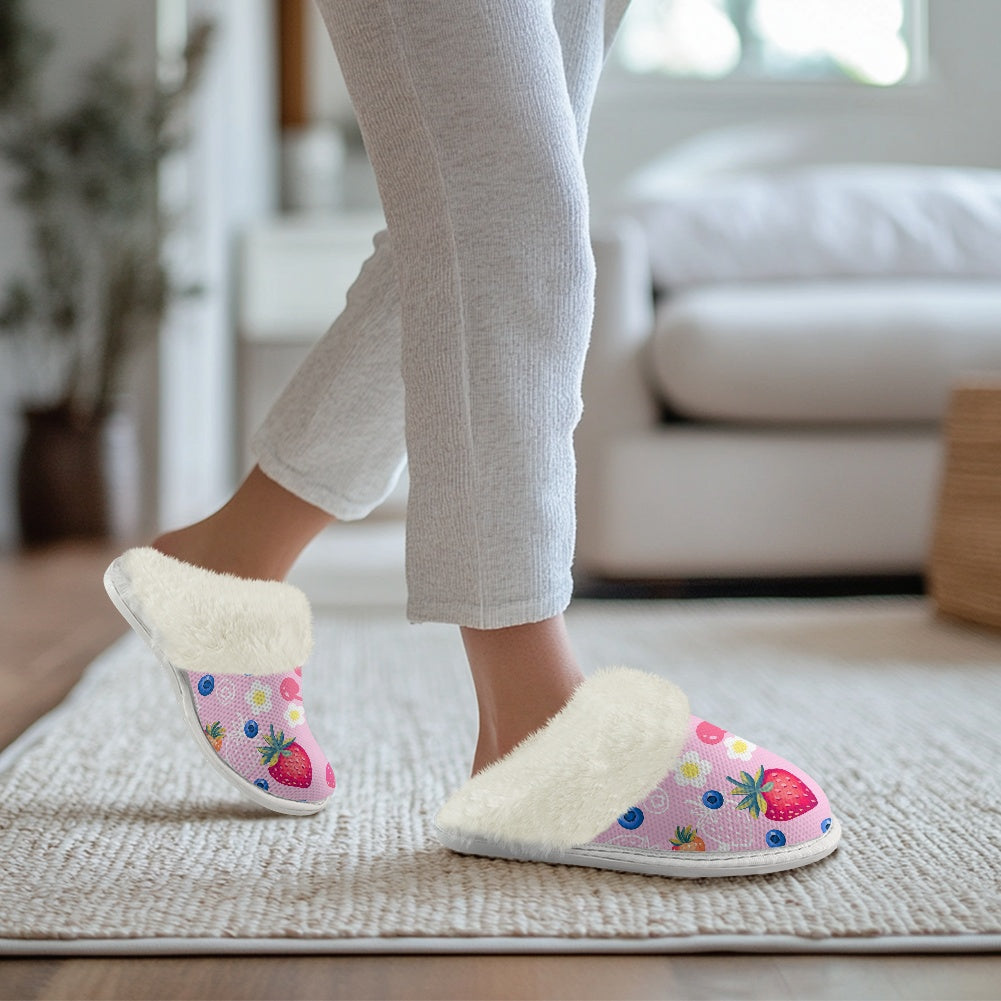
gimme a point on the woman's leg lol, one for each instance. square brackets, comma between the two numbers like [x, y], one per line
[258, 533]
[468, 120]
[524, 674]
[334, 439]
[511, 311]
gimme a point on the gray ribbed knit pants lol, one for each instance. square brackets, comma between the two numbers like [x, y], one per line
[462, 343]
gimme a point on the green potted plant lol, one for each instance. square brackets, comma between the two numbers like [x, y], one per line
[86, 176]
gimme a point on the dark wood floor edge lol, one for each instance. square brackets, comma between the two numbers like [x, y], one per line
[843, 586]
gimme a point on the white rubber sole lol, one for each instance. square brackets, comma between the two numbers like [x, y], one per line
[649, 862]
[115, 579]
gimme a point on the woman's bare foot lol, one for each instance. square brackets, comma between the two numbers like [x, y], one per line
[259, 533]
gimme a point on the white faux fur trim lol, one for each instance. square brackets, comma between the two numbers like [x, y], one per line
[213, 623]
[603, 753]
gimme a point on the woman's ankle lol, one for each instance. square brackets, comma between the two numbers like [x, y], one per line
[523, 676]
[258, 534]
[207, 544]
[519, 721]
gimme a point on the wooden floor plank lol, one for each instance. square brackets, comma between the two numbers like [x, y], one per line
[55, 618]
[491, 978]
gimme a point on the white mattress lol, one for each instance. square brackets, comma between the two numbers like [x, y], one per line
[824, 351]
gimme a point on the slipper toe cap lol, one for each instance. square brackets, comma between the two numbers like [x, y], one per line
[724, 793]
[257, 726]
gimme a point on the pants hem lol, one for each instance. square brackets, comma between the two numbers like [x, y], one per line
[474, 617]
[292, 479]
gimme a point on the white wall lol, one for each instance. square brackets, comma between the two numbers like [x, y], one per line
[227, 179]
[950, 118]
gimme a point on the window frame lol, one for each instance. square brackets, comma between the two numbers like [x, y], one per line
[623, 83]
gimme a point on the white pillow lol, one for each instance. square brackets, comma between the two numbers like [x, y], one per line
[853, 220]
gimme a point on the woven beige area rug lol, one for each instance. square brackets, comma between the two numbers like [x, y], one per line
[115, 839]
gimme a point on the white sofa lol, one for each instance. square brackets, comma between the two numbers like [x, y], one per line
[771, 359]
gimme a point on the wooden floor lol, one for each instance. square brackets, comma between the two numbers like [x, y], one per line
[55, 617]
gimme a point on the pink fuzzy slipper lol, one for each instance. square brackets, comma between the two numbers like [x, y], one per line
[625, 778]
[233, 650]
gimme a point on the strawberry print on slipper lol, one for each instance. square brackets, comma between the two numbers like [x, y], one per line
[724, 794]
[261, 734]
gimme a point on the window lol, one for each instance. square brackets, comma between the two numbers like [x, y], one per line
[871, 42]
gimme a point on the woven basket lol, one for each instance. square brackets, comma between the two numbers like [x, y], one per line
[964, 574]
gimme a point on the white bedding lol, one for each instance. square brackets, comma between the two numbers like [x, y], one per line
[852, 220]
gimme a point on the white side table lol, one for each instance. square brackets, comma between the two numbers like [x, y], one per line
[294, 274]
